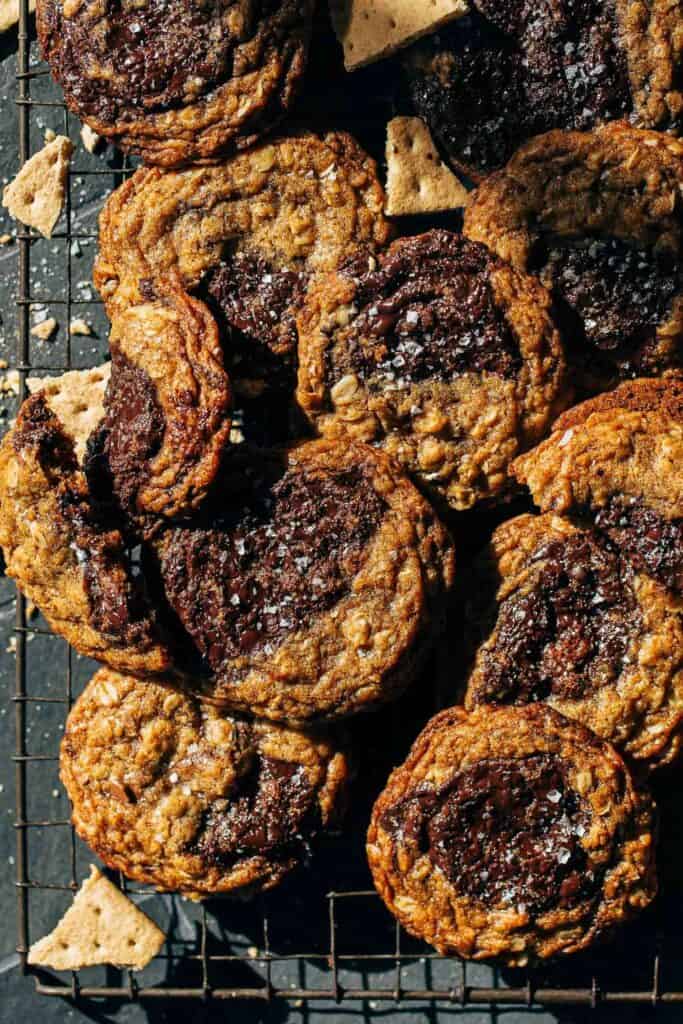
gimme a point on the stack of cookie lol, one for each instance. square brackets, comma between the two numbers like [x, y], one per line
[242, 516]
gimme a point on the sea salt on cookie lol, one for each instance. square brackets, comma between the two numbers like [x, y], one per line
[417, 179]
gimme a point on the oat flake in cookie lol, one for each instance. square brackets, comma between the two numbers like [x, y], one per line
[178, 795]
[439, 353]
[564, 618]
[516, 68]
[511, 833]
[614, 463]
[177, 81]
[311, 584]
[597, 216]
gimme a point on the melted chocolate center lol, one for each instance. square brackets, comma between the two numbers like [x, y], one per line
[131, 435]
[651, 544]
[255, 307]
[516, 68]
[267, 564]
[566, 636]
[503, 831]
[162, 53]
[427, 313]
[611, 298]
[270, 810]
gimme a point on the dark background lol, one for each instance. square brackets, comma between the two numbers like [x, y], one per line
[297, 912]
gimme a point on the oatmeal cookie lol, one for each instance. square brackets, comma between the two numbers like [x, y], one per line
[563, 619]
[244, 235]
[167, 408]
[597, 216]
[511, 833]
[615, 462]
[516, 68]
[437, 351]
[178, 795]
[177, 82]
[311, 584]
[63, 556]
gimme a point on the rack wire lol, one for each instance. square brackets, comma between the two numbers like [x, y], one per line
[311, 945]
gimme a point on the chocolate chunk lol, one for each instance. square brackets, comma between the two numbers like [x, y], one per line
[271, 806]
[133, 430]
[255, 307]
[427, 313]
[611, 298]
[504, 831]
[651, 543]
[515, 69]
[568, 634]
[266, 562]
[165, 54]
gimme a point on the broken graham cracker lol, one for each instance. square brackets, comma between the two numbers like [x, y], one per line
[102, 926]
[418, 181]
[77, 400]
[9, 12]
[371, 29]
[36, 196]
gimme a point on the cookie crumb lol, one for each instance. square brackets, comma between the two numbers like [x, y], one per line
[5, 239]
[36, 196]
[50, 135]
[9, 384]
[80, 326]
[89, 138]
[45, 329]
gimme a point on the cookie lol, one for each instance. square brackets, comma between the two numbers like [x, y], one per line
[176, 794]
[244, 235]
[167, 408]
[438, 352]
[565, 620]
[311, 583]
[63, 555]
[177, 83]
[511, 833]
[597, 216]
[512, 70]
[615, 462]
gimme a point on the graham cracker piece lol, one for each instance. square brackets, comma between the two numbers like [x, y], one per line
[371, 29]
[77, 400]
[102, 926]
[9, 12]
[36, 196]
[418, 181]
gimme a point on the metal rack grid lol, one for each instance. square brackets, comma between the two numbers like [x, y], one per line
[383, 974]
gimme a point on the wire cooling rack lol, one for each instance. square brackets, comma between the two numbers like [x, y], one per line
[324, 937]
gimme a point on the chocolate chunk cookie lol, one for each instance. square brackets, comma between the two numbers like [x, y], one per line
[511, 833]
[438, 352]
[181, 81]
[178, 795]
[310, 584]
[167, 408]
[516, 68]
[63, 555]
[615, 462]
[597, 216]
[565, 619]
[244, 235]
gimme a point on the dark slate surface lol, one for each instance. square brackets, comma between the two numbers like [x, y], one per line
[297, 910]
